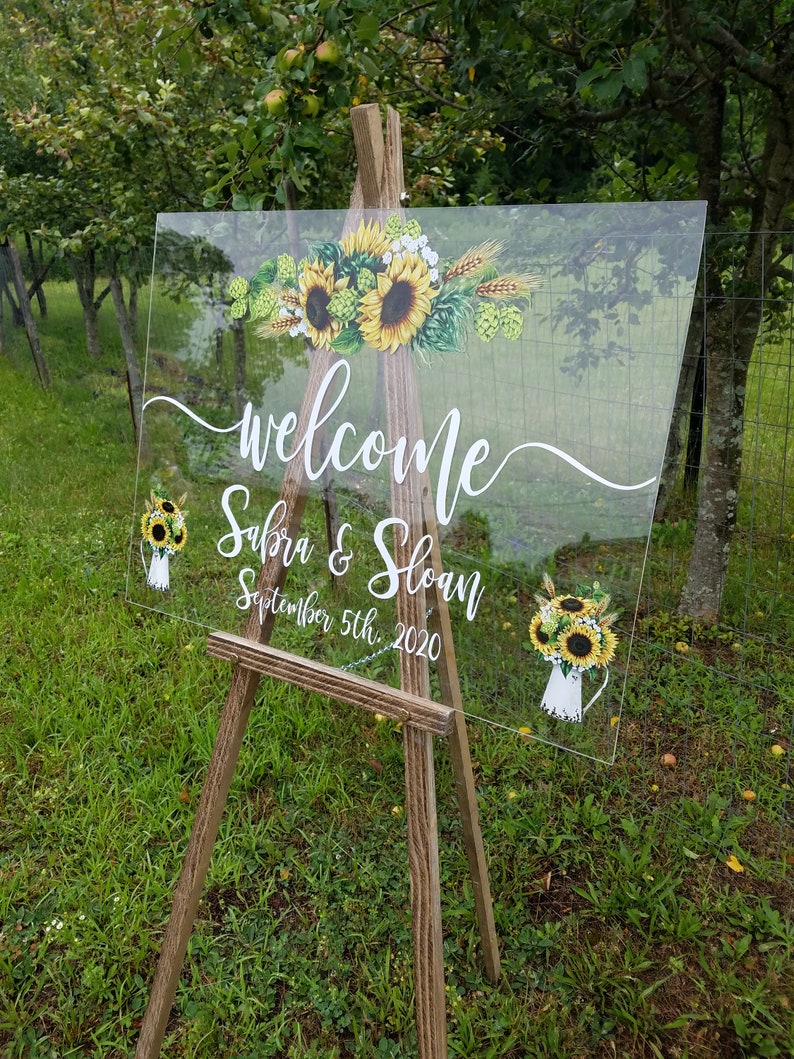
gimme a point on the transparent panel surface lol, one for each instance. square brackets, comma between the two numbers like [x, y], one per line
[543, 344]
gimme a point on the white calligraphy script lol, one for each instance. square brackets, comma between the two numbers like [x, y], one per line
[261, 440]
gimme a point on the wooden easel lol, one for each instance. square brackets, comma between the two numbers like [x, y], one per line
[379, 184]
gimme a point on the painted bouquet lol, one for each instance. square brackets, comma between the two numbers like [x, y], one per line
[164, 530]
[385, 286]
[574, 633]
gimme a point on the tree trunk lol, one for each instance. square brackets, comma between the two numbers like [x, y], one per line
[5, 289]
[134, 377]
[731, 332]
[38, 269]
[697, 412]
[238, 342]
[30, 324]
[682, 405]
[84, 272]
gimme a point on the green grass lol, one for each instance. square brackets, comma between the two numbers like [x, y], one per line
[623, 931]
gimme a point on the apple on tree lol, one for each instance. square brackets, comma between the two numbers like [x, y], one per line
[276, 102]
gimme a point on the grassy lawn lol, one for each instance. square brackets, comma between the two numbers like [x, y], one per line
[626, 928]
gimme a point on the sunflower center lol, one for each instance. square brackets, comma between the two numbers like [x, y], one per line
[317, 308]
[541, 635]
[159, 532]
[571, 604]
[397, 303]
[167, 506]
[579, 645]
[178, 537]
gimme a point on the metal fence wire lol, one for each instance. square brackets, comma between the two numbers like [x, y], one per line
[719, 697]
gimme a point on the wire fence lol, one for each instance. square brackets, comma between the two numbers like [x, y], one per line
[719, 697]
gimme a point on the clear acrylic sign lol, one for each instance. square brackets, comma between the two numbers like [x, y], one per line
[546, 343]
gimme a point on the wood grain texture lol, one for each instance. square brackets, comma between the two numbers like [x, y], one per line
[402, 404]
[431, 717]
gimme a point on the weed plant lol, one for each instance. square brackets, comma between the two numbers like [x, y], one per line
[626, 927]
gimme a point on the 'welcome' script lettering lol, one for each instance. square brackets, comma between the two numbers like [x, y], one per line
[263, 439]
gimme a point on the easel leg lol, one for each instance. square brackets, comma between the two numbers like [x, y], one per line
[431, 1017]
[225, 752]
[475, 851]
[461, 764]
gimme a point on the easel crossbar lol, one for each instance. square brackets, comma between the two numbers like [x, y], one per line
[432, 717]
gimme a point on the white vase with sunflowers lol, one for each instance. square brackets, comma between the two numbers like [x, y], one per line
[574, 634]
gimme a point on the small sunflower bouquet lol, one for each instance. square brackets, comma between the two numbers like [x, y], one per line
[385, 286]
[164, 530]
[574, 633]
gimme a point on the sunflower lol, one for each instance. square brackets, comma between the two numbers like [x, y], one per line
[571, 606]
[317, 287]
[369, 238]
[393, 311]
[580, 645]
[178, 536]
[539, 639]
[162, 503]
[609, 642]
[154, 527]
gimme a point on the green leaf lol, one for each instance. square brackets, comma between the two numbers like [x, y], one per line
[240, 201]
[368, 29]
[588, 76]
[348, 341]
[280, 21]
[635, 74]
[608, 89]
[371, 69]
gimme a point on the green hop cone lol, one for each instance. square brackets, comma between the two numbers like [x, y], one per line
[238, 288]
[511, 321]
[265, 305]
[304, 261]
[239, 308]
[412, 228]
[366, 280]
[393, 228]
[486, 320]
[343, 305]
[285, 269]
[549, 628]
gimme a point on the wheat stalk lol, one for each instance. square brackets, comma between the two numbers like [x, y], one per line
[474, 260]
[277, 326]
[509, 286]
[290, 297]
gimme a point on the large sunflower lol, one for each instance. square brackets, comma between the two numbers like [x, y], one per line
[369, 238]
[579, 645]
[393, 311]
[155, 529]
[317, 287]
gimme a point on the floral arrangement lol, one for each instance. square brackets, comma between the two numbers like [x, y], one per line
[163, 525]
[574, 631]
[384, 285]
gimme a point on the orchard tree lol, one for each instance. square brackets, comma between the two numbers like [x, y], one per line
[690, 99]
[115, 97]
